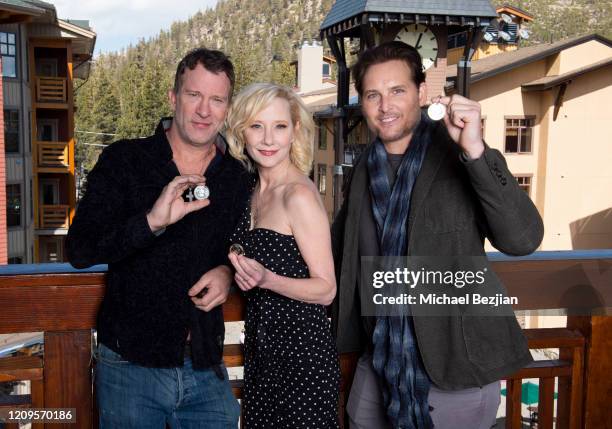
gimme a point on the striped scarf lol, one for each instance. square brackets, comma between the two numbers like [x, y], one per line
[396, 357]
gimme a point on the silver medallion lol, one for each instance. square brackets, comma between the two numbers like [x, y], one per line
[436, 111]
[201, 192]
[236, 249]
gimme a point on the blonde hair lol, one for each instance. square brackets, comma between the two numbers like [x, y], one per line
[252, 100]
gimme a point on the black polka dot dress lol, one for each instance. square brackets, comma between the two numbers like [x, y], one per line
[291, 372]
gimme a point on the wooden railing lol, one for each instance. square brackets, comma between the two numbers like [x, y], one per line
[51, 89]
[54, 216]
[63, 304]
[53, 154]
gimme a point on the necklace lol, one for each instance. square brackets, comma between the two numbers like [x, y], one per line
[200, 192]
[204, 163]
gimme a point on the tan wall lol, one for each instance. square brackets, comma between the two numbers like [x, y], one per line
[501, 96]
[571, 158]
[581, 55]
[578, 203]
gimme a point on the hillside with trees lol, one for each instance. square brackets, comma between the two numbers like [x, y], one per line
[126, 92]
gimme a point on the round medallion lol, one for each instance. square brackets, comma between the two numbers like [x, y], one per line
[436, 111]
[236, 249]
[201, 192]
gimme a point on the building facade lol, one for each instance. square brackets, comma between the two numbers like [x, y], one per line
[544, 107]
[41, 56]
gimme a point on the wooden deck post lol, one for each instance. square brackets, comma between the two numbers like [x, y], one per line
[597, 369]
[67, 375]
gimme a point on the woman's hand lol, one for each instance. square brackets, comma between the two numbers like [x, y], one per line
[249, 272]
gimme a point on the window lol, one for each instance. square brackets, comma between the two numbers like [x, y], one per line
[11, 131]
[457, 40]
[13, 205]
[524, 182]
[325, 70]
[322, 135]
[49, 192]
[15, 260]
[483, 120]
[47, 130]
[8, 51]
[321, 177]
[51, 249]
[518, 135]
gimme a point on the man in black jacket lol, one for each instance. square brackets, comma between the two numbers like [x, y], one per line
[160, 325]
[433, 189]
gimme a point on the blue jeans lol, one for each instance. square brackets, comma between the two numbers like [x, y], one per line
[132, 396]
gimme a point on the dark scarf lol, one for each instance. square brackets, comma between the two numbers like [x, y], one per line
[396, 356]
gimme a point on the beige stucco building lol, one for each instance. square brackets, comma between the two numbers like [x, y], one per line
[545, 107]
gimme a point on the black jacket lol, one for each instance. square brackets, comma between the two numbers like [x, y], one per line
[454, 205]
[146, 313]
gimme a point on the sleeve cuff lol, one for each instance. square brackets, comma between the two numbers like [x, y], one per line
[486, 172]
[138, 231]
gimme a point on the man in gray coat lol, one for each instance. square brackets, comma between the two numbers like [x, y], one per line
[426, 188]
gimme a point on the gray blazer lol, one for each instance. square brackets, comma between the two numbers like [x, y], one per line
[455, 205]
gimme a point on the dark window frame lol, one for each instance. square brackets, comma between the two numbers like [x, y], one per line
[529, 123]
[8, 111]
[322, 135]
[7, 45]
[322, 178]
[14, 213]
[525, 182]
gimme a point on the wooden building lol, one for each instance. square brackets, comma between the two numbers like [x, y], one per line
[41, 55]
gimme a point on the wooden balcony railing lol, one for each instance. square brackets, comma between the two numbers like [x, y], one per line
[51, 90]
[53, 155]
[63, 302]
[54, 216]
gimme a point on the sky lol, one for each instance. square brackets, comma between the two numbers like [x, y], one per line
[121, 22]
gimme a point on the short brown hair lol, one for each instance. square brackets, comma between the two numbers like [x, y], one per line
[213, 61]
[388, 51]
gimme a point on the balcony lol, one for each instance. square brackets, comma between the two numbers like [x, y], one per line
[54, 216]
[62, 303]
[51, 90]
[52, 157]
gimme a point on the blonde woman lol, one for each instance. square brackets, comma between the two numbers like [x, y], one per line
[283, 261]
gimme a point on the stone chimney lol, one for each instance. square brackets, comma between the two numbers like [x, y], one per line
[310, 67]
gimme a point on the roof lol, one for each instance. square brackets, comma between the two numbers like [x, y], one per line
[515, 11]
[85, 32]
[548, 82]
[500, 63]
[343, 10]
[329, 102]
[21, 6]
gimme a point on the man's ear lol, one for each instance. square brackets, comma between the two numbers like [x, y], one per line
[172, 99]
[422, 94]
